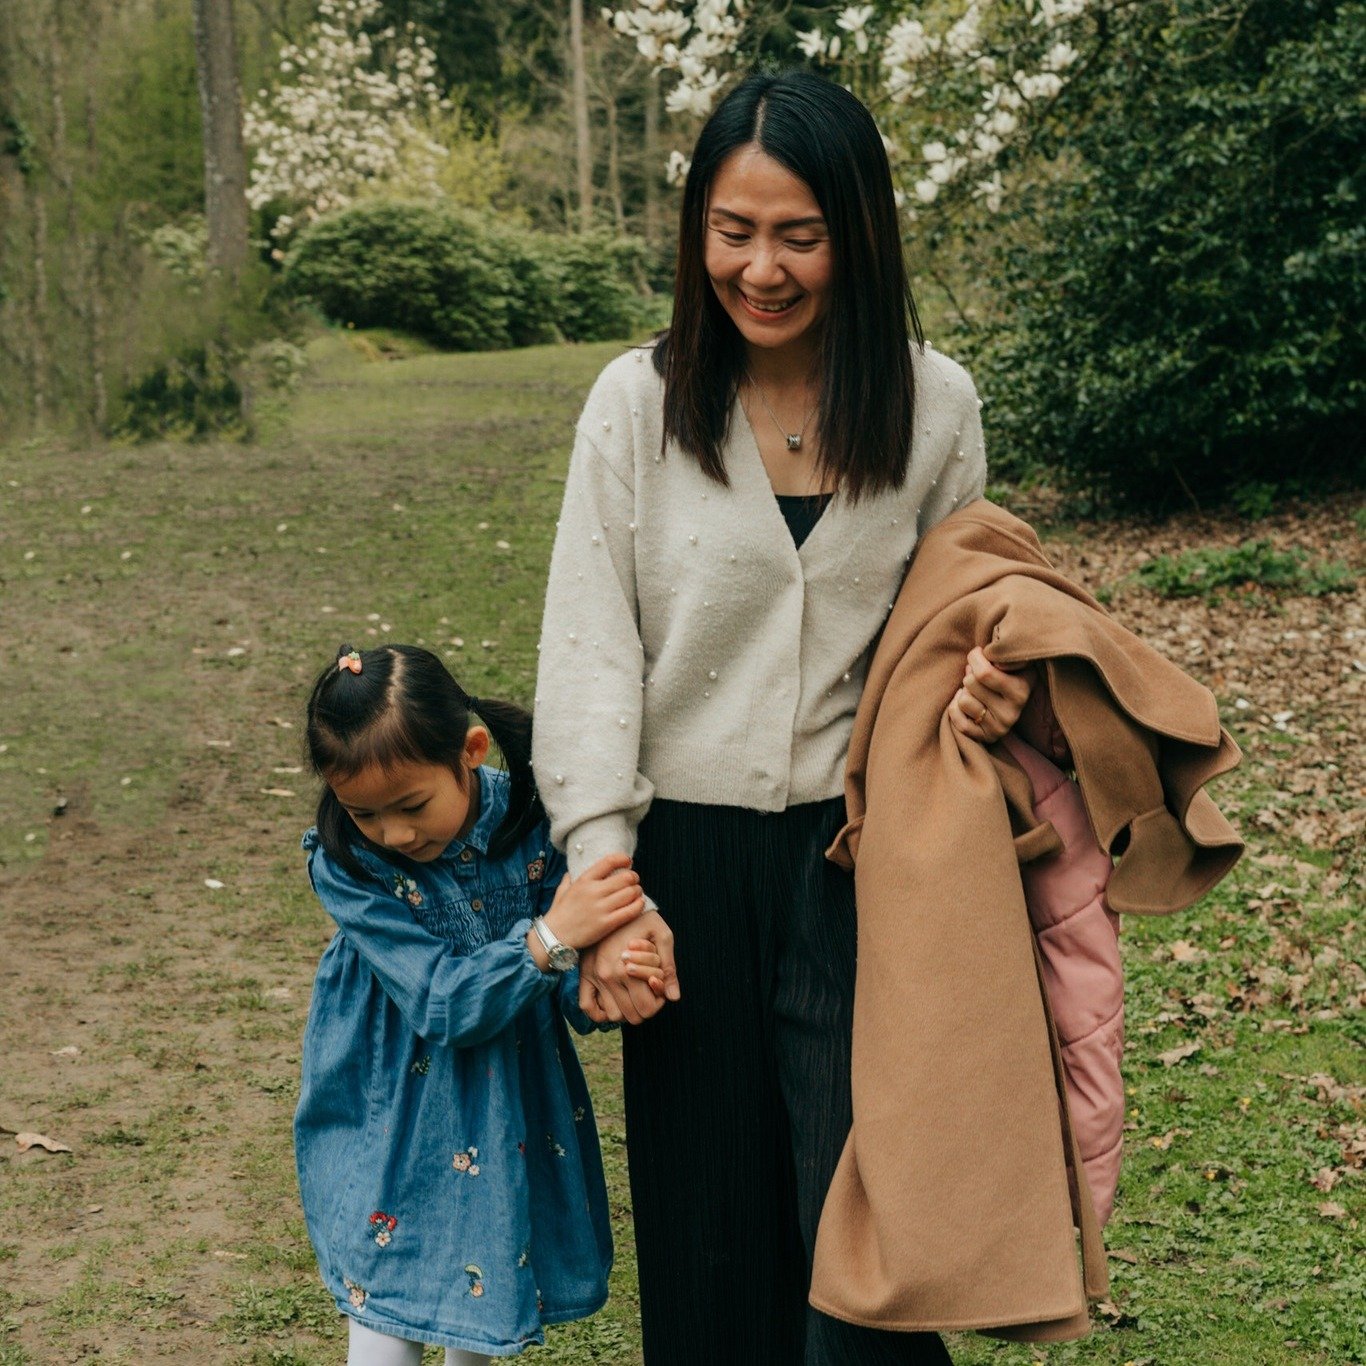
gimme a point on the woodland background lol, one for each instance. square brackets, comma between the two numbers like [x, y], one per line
[298, 305]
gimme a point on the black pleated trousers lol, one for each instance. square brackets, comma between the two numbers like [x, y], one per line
[737, 1097]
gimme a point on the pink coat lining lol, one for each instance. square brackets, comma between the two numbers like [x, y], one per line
[1078, 940]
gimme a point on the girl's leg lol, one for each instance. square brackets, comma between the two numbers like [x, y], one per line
[813, 1007]
[722, 1273]
[369, 1348]
[456, 1357]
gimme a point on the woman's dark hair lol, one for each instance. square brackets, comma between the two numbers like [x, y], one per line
[404, 707]
[826, 138]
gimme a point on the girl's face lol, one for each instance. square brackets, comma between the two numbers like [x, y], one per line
[415, 809]
[767, 250]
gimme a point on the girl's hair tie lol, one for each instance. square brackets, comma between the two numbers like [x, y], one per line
[350, 660]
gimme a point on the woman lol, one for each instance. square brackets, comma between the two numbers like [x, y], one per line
[741, 505]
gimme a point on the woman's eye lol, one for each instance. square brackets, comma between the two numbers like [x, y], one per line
[734, 238]
[803, 245]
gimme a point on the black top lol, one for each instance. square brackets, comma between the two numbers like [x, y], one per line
[802, 511]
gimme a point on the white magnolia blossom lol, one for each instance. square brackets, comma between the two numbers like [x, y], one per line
[348, 114]
[935, 81]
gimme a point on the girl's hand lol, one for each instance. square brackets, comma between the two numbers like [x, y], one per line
[608, 992]
[644, 964]
[991, 699]
[601, 900]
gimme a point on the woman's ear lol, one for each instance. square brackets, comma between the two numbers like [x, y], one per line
[477, 743]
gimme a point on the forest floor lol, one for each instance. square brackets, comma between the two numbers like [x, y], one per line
[162, 610]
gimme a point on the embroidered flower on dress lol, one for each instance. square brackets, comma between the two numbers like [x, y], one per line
[556, 1148]
[464, 1161]
[356, 1294]
[407, 890]
[535, 870]
[383, 1226]
[476, 1280]
[421, 1066]
[524, 1256]
[579, 1113]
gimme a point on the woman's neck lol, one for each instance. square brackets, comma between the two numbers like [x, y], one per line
[794, 367]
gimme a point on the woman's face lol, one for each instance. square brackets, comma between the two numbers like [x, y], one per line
[767, 250]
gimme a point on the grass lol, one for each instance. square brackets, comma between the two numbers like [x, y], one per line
[164, 610]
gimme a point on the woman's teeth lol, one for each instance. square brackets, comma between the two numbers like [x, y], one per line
[769, 308]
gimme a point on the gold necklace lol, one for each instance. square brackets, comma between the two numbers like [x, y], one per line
[793, 439]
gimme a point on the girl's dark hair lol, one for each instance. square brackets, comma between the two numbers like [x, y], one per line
[404, 707]
[826, 138]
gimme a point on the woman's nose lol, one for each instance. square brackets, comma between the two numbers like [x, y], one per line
[763, 269]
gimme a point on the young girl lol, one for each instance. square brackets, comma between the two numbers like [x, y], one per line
[447, 1153]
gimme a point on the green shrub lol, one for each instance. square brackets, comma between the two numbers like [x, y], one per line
[1202, 571]
[1183, 289]
[462, 281]
[194, 394]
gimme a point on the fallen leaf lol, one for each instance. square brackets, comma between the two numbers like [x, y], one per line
[277, 791]
[1122, 1254]
[213, 884]
[70, 1051]
[1330, 1209]
[26, 1141]
[1175, 1055]
[1325, 1179]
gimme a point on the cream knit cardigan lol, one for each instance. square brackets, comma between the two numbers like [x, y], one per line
[688, 648]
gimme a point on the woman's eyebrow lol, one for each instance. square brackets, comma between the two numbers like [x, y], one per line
[814, 221]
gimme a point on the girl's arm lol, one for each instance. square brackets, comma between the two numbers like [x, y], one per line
[447, 998]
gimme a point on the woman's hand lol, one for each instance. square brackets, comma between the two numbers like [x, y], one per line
[609, 991]
[991, 699]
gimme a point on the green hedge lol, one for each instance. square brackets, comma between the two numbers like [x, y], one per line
[1181, 313]
[463, 281]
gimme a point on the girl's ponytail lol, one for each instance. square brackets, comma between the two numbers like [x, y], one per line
[510, 726]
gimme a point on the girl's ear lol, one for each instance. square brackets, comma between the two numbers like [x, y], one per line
[477, 744]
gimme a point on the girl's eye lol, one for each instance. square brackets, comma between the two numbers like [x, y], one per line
[413, 810]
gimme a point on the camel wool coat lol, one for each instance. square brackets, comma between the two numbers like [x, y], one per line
[950, 1209]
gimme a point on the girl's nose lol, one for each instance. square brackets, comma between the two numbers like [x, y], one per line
[395, 834]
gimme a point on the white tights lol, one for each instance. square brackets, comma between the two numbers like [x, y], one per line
[369, 1348]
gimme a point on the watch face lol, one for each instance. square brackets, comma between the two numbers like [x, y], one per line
[562, 957]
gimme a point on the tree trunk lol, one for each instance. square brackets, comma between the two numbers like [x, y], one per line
[225, 160]
[579, 101]
[614, 163]
[651, 159]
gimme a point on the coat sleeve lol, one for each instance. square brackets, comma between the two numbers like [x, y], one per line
[447, 998]
[586, 742]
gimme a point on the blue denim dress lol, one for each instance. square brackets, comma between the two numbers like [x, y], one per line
[447, 1152]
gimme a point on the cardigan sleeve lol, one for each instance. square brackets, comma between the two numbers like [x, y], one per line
[963, 477]
[586, 740]
[447, 998]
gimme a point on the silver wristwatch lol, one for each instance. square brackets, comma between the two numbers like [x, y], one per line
[561, 956]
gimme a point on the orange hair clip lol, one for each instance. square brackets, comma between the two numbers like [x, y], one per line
[350, 660]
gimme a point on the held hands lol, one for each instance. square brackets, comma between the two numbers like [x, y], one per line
[610, 973]
[602, 899]
[991, 699]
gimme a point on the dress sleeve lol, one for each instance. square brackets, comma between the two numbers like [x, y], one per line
[447, 998]
[586, 741]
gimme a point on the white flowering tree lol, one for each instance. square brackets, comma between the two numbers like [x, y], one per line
[353, 112]
[958, 90]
